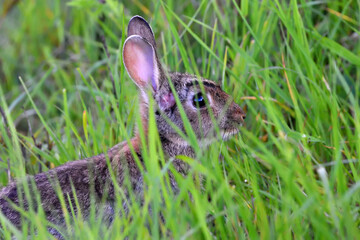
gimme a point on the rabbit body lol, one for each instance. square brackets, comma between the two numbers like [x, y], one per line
[90, 178]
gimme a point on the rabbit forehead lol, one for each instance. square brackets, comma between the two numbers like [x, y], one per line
[190, 80]
[188, 84]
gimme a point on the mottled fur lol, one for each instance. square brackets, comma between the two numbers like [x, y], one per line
[91, 176]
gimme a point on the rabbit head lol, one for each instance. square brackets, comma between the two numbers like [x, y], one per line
[202, 99]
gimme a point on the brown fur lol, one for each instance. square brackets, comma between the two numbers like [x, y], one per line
[91, 177]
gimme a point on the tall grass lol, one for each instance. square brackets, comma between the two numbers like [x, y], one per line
[292, 172]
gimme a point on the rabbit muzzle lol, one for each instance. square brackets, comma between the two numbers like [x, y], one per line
[234, 119]
[235, 114]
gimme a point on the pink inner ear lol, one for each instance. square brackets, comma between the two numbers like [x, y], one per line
[167, 101]
[139, 62]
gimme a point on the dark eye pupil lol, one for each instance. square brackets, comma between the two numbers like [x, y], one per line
[198, 101]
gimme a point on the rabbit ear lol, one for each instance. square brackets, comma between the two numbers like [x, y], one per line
[140, 62]
[138, 26]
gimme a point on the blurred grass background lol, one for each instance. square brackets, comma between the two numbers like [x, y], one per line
[292, 172]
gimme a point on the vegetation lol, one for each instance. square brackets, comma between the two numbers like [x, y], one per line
[292, 171]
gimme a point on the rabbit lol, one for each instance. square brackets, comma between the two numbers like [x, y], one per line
[90, 178]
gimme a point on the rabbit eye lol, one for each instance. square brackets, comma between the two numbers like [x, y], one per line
[198, 101]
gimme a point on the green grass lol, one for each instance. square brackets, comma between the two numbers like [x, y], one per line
[292, 172]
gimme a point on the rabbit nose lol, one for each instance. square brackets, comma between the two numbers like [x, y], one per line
[243, 116]
[236, 113]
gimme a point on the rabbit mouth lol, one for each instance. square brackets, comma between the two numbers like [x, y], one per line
[227, 133]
